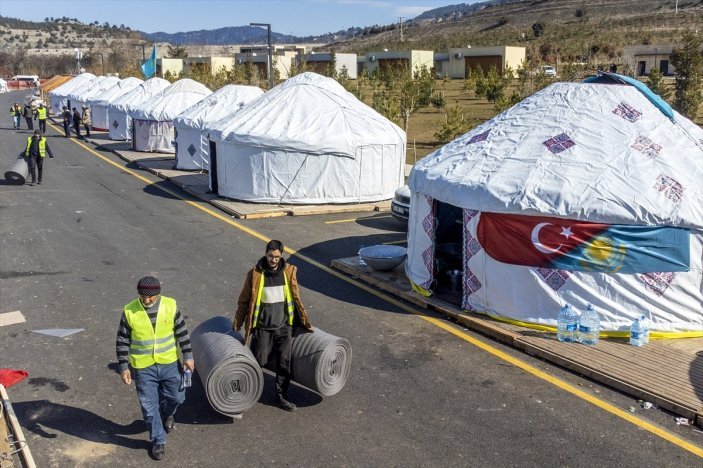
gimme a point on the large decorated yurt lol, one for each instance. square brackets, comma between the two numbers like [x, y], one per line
[81, 96]
[118, 108]
[582, 193]
[307, 140]
[192, 126]
[58, 97]
[99, 102]
[152, 120]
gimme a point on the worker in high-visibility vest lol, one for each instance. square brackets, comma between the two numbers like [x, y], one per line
[35, 152]
[40, 115]
[15, 113]
[270, 308]
[150, 331]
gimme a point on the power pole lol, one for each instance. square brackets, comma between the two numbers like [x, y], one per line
[400, 23]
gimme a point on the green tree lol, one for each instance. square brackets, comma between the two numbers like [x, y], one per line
[176, 52]
[455, 124]
[689, 70]
[493, 84]
[398, 94]
[655, 81]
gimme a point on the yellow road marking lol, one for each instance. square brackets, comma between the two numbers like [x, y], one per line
[355, 219]
[664, 434]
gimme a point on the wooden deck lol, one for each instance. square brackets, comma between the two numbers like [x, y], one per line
[197, 184]
[668, 373]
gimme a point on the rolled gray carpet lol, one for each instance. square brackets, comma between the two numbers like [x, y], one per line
[18, 173]
[321, 361]
[231, 376]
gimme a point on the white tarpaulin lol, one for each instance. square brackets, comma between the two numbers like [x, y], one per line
[153, 119]
[3, 86]
[80, 97]
[98, 103]
[58, 96]
[192, 126]
[118, 108]
[593, 152]
[308, 140]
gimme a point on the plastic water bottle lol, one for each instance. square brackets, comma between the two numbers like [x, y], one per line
[187, 378]
[589, 326]
[639, 332]
[567, 324]
[361, 259]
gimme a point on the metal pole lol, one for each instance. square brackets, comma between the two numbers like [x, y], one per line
[270, 54]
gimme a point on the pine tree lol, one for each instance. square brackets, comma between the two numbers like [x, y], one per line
[689, 70]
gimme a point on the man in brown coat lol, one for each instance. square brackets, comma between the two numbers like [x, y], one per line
[269, 307]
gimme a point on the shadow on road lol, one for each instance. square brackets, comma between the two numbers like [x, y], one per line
[155, 189]
[45, 418]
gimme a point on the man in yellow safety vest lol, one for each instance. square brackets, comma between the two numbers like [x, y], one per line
[35, 152]
[150, 331]
[270, 307]
[40, 114]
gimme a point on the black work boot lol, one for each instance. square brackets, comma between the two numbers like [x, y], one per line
[158, 451]
[285, 404]
[168, 424]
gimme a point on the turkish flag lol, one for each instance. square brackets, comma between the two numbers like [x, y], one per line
[534, 241]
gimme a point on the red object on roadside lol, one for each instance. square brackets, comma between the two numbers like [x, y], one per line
[9, 377]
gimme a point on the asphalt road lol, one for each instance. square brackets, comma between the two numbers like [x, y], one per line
[73, 248]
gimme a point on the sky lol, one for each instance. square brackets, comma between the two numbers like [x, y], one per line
[296, 17]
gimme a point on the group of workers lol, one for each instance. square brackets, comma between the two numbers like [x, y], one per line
[37, 147]
[152, 329]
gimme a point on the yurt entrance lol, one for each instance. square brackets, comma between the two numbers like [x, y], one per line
[448, 252]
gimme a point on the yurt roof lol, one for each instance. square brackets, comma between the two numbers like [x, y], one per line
[74, 83]
[308, 113]
[141, 93]
[105, 82]
[115, 91]
[586, 151]
[226, 101]
[171, 101]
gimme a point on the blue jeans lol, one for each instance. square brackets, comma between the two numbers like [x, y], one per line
[16, 121]
[160, 392]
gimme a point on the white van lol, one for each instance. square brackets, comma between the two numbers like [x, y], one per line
[24, 81]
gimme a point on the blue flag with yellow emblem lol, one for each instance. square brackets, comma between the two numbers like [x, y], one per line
[149, 67]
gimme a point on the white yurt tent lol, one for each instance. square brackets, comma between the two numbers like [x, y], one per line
[192, 126]
[152, 120]
[307, 140]
[58, 97]
[118, 108]
[582, 193]
[98, 103]
[80, 97]
[3, 86]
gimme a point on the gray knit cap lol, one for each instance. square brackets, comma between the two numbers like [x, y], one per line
[149, 286]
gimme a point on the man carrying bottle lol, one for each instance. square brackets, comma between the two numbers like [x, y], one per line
[150, 331]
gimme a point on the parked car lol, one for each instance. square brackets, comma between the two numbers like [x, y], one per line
[549, 71]
[400, 206]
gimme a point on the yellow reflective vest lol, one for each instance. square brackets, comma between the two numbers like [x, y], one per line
[41, 113]
[152, 344]
[290, 306]
[42, 147]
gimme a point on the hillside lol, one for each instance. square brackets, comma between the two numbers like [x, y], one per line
[221, 36]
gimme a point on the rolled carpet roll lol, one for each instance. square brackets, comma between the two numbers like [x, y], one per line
[231, 376]
[321, 361]
[18, 173]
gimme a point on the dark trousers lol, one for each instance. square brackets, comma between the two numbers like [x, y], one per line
[274, 347]
[33, 162]
[42, 125]
[67, 128]
[77, 129]
[87, 129]
[30, 123]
